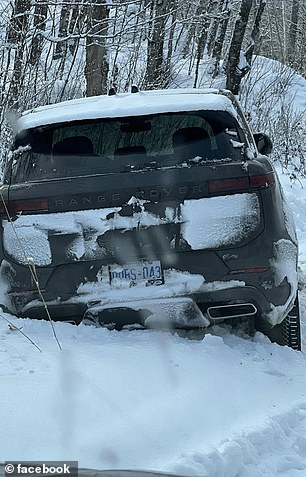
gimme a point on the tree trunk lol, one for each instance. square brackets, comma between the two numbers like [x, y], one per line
[19, 21]
[154, 76]
[192, 30]
[40, 17]
[174, 7]
[74, 28]
[222, 28]
[203, 38]
[61, 46]
[291, 46]
[213, 28]
[96, 68]
[234, 71]
[255, 35]
[17, 32]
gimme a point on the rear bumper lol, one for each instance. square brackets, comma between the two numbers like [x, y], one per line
[194, 306]
[71, 290]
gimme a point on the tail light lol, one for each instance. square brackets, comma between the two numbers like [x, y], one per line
[28, 206]
[250, 270]
[240, 184]
[226, 185]
[262, 181]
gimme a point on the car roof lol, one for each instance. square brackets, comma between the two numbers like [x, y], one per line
[127, 104]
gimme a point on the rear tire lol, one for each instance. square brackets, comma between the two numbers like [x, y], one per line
[288, 332]
[291, 327]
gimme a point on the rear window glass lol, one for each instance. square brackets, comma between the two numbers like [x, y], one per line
[125, 144]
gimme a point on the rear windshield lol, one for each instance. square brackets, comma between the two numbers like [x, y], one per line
[125, 145]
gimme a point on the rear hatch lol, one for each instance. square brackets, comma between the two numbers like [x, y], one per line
[130, 190]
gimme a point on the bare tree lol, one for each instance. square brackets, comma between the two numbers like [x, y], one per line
[17, 33]
[40, 18]
[234, 67]
[220, 35]
[216, 10]
[293, 29]
[154, 76]
[61, 44]
[285, 35]
[96, 69]
[255, 34]
[206, 15]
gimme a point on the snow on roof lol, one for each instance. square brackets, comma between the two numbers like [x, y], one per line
[126, 104]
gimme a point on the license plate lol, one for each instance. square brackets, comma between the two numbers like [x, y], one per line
[143, 273]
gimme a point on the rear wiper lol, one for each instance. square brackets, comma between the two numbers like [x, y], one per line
[19, 151]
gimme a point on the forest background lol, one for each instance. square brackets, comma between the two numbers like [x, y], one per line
[52, 51]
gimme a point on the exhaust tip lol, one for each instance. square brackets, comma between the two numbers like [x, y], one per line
[231, 311]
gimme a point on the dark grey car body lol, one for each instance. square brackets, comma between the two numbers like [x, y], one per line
[145, 208]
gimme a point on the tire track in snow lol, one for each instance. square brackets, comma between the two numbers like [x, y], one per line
[277, 448]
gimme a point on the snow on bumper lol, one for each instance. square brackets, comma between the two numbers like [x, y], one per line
[177, 283]
[170, 304]
[177, 312]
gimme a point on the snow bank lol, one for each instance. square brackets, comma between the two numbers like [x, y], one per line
[275, 447]
[273, 81]
[148, 399]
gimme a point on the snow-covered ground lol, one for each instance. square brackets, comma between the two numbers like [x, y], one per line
[222, 406]
[227, 406]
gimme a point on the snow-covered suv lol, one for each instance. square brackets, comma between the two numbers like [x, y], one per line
[148, 209]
